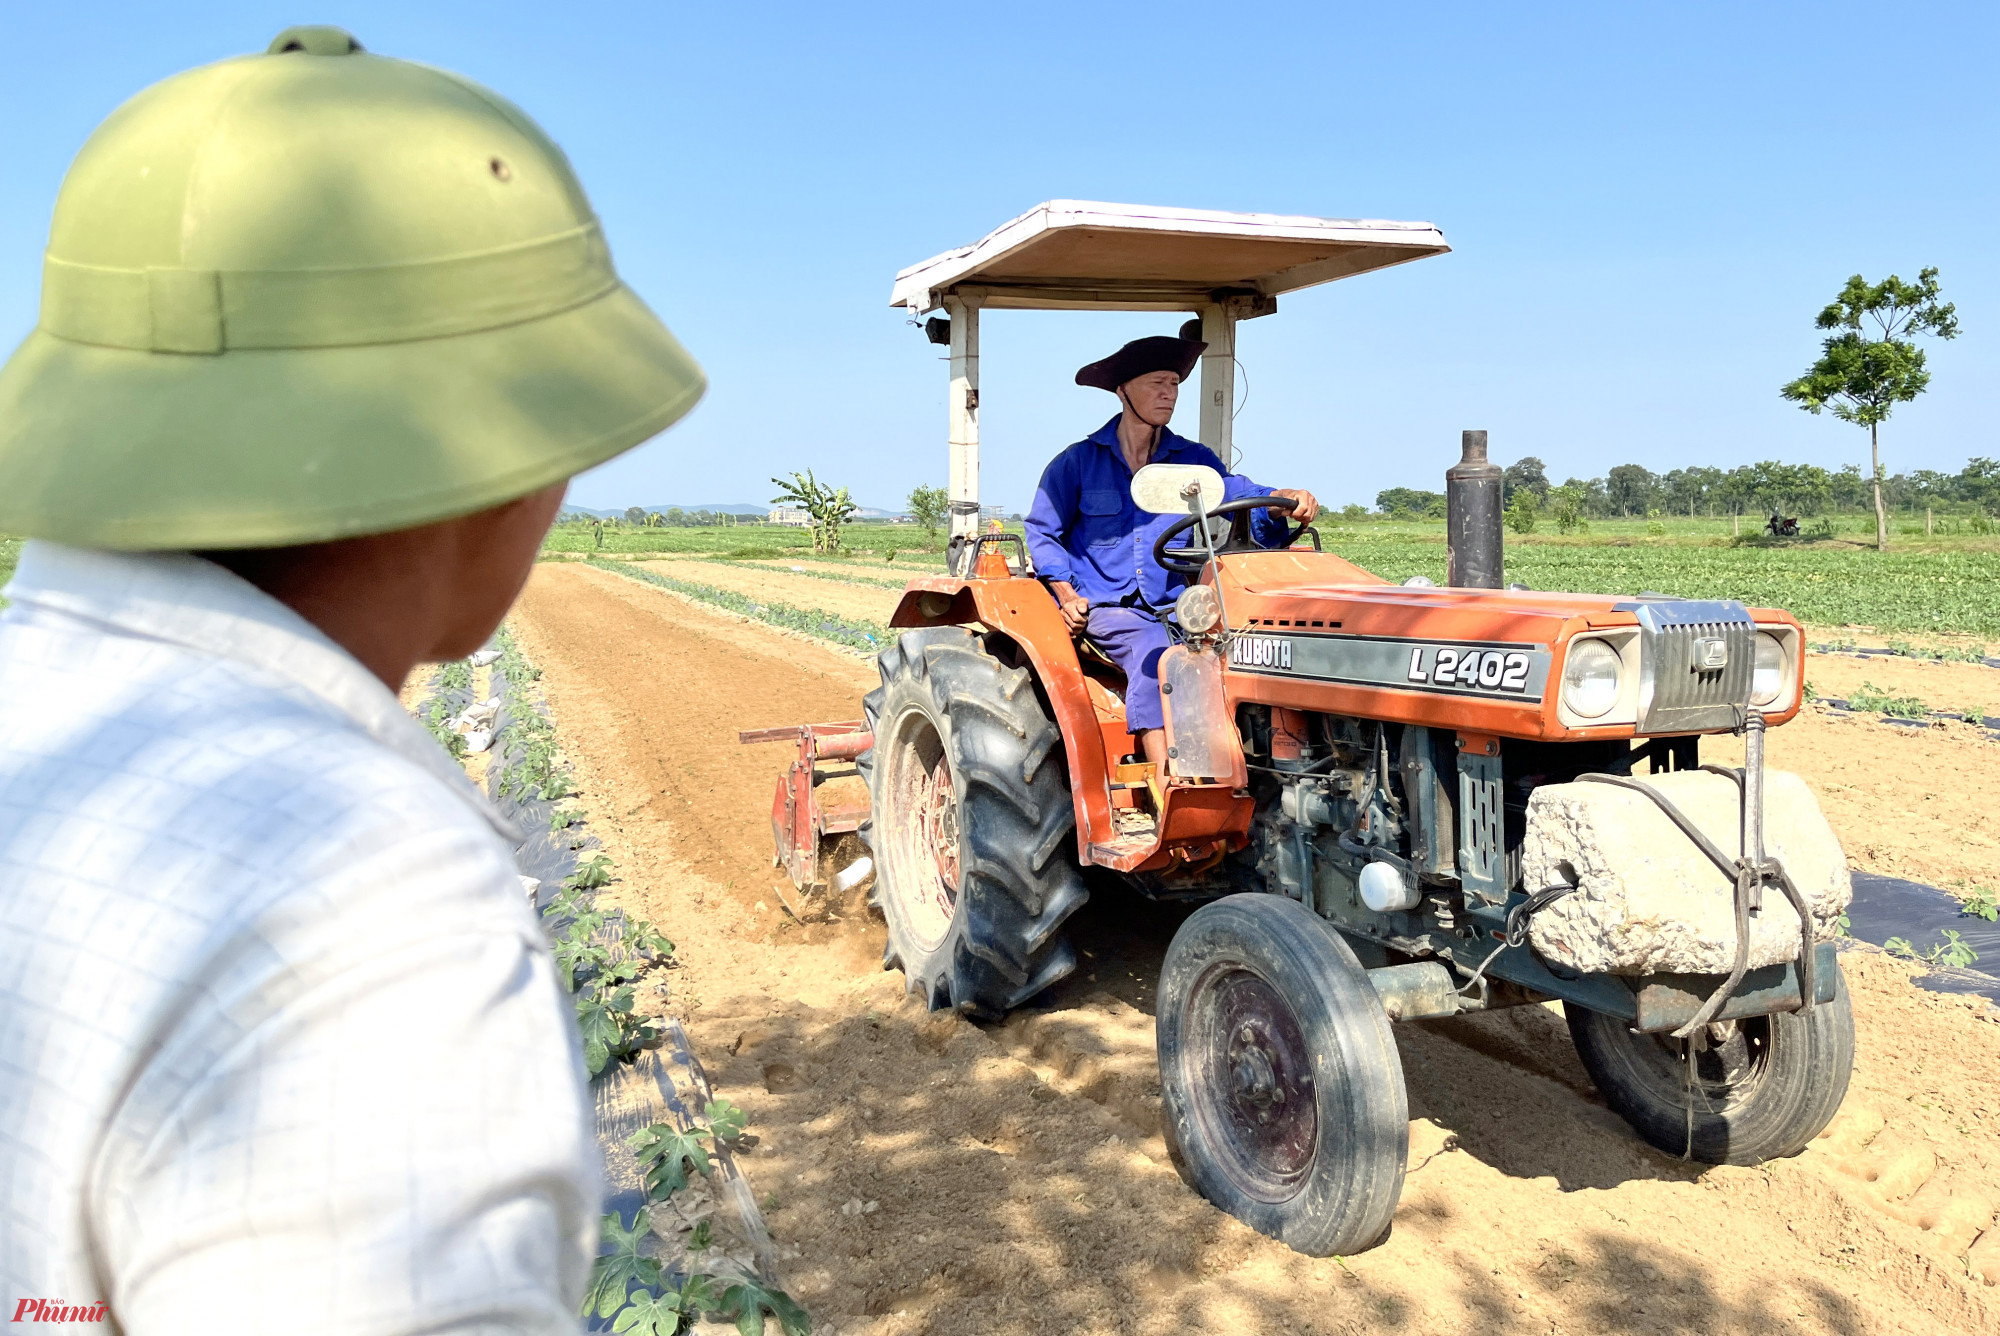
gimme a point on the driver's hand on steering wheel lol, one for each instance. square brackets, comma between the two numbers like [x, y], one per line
[1308, 505]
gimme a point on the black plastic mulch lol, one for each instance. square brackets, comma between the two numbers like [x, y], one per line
[547, 855]
[1867, 652]
[1886, 907]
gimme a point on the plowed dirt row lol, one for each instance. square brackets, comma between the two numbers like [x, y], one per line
[1011, 1180]
[916, 564]
[865, 602]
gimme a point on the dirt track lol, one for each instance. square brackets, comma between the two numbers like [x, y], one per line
[1019, 1179]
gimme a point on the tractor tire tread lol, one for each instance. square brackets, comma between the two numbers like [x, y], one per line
[1017, 885]
[1802, 1088]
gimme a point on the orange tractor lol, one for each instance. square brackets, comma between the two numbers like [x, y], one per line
[1398, 801]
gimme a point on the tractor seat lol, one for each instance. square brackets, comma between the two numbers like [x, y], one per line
[1092, 654]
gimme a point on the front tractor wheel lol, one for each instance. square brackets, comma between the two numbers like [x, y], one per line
[970, 824]
[1284, 1094]
[1742, 1092]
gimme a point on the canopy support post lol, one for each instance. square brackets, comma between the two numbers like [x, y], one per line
[964, 313]
[1218, 381]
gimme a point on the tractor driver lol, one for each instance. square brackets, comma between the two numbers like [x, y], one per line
[1093, 545]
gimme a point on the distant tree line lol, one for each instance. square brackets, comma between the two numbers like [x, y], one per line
[673, 517]
[1633, 491]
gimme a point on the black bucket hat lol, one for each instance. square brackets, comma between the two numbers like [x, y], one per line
[1141, 357]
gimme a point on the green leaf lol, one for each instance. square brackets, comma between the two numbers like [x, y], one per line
[749, 1301]
[643, 936]
[665, 1155]
[1954, 951]
[725, 1119]
[616, 1271]
[650, 1314]
[601, 1032]
[595, 873]
[697, 1295]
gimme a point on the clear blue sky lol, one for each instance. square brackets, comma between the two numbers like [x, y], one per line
[1647, 204]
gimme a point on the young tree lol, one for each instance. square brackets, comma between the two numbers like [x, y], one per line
[927, 508]
[1523, 510]
[1568, 503]
[829, 507]
[1863, 378]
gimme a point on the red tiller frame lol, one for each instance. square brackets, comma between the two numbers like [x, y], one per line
[798, 822]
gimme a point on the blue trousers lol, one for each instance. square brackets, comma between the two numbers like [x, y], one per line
[1134, 640]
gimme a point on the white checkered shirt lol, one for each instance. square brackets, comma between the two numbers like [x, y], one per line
[281, 1046]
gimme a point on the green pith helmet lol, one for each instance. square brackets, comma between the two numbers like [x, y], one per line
[316, 293]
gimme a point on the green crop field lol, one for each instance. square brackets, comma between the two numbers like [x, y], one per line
[1942, 583]
[743, 541]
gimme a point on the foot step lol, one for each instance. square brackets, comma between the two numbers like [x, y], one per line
[1131, 821]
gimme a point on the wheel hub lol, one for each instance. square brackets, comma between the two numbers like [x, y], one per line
[923, 827]
[1724, 1063]
[1254, 1093]
[937, 816]
[1256, 1076]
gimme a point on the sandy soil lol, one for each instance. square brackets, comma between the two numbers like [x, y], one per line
[1942, 686]
[1922, 803]
[1018, 1180]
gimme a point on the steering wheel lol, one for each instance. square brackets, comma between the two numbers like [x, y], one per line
[1239, 533]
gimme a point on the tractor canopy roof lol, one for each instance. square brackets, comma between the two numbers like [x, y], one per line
[1081, 255]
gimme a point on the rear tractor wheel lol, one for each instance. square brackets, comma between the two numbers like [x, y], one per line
[1284, 1094]
[970, 824]
[1745, 1091]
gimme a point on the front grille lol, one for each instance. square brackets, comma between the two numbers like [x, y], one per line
[1677, 695]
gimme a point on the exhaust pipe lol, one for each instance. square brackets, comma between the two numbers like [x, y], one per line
[1472, 493]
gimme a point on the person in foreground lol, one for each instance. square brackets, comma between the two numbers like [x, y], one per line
[322, 336]
[1094, 547]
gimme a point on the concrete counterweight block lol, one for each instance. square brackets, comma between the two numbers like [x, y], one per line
[1649, 901]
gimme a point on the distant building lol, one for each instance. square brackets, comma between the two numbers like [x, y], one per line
[789, 515]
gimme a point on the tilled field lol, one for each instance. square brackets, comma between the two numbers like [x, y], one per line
[842, 599]
[925, 1174]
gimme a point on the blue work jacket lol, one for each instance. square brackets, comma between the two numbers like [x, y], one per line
[1085, 531]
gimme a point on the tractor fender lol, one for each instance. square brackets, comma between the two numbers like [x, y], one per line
[1024, 611]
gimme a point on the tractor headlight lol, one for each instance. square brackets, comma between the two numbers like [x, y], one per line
[1197, 610]
[1767, 679]
[1591, 678]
